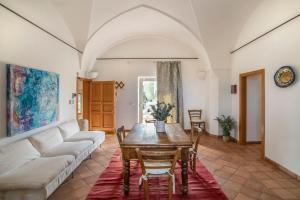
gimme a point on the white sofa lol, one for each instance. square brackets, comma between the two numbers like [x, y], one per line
[33, 168]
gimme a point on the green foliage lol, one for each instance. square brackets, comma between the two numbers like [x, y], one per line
[161, 111]
[226, 123]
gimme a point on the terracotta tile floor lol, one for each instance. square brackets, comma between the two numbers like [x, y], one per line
[237, 169]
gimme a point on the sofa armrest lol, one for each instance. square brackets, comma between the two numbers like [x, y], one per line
[83, 124]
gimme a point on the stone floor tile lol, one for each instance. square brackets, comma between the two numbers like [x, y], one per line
[238, 169]
[243, 197]
[284, 194]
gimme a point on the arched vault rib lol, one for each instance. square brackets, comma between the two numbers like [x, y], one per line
[139, 21]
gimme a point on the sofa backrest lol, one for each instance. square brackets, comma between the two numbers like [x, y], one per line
[69, 128]
[16, 154]
[47, 139]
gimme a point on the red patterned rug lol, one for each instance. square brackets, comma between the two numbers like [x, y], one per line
[110, 184]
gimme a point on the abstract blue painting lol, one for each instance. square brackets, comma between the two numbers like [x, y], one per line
[32, 99]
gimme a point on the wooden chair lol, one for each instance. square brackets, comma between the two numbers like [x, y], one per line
[196, 120]
[121, 134]
[193, 152]
[158, 164]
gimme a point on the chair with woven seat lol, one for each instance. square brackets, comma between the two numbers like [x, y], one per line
[193, 152]
[158, 164]
[196, 120]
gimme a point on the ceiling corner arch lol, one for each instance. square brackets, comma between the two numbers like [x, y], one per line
[148, 7]
[129, 23]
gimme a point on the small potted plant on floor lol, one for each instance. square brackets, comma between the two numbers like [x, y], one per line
[161, 111]
[227, 124]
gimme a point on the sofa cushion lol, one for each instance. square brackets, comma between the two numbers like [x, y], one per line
[69, 148]
[16, 154]
[93, 136]
[46, 139]
[35, 174]
[69, 128]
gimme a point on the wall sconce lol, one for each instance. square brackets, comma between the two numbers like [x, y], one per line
[233, 89]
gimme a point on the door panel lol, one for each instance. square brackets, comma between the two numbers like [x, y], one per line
[96, 92]
[86, 99]
[108, 120]
[96, 107]
[108, 91]
[96, 122]
[108, 107]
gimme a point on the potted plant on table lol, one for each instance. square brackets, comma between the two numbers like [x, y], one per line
[227, 124]
[160, 112]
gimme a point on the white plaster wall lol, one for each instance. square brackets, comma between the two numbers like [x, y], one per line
[253, 108]
[25, 45]
[212, 103]
[279, 48]
[218, 98]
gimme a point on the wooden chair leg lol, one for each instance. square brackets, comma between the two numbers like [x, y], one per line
[204, 127]
[170, 191]
[191, 161]
[194, 164]
[192, 131]
[146, 189]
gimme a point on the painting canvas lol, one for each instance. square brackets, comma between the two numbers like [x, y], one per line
[32, 99]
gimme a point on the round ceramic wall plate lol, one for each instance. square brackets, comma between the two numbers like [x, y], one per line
[284, 77]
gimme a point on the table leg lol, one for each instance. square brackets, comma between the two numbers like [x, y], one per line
[126, 172]
[184, 170]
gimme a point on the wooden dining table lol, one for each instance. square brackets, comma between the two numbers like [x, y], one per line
[144, 136]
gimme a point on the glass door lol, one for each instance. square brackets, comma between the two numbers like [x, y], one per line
[147, 96]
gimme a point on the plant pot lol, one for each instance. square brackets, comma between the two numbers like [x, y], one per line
[226, 138]
[160, 126]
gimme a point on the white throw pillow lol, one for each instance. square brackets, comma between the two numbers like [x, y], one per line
[47, 139]
[16, 154]
[69, 129]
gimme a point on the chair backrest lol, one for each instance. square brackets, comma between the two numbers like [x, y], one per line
[195, 114]
[158, 159]
[121, 134]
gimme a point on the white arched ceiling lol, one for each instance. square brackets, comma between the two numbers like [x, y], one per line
[140, 21]
[220, 22]
[216, 23]
[150, 46]
[76, 14]
[104, 10]
[44, 14]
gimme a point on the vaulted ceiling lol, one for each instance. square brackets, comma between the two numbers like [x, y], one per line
[209, 27]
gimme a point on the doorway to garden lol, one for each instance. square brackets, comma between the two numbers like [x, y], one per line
[147, 96]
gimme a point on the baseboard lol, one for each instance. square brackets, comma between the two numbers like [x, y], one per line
[216, 136]
[279, 166]
[254, 142]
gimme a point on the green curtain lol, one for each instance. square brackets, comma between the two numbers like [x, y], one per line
[169, 88]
